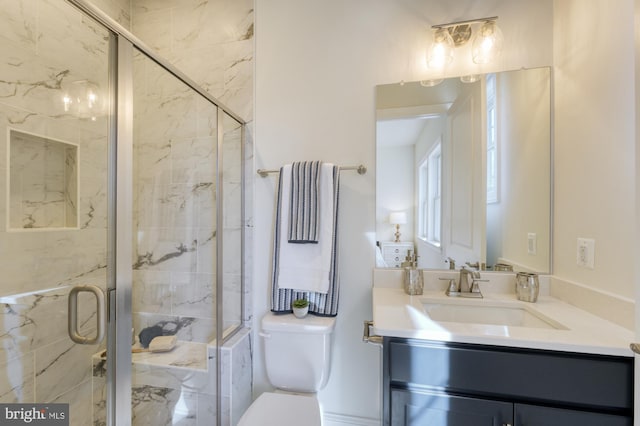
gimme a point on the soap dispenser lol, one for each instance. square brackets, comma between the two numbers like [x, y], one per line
[407, 260]
[413, 284]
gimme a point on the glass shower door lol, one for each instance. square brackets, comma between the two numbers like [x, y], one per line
[174, 249]
[55, 96]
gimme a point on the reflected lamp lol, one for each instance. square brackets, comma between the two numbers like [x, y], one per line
[397, 219]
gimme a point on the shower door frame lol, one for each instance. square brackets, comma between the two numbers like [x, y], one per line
[120, 220]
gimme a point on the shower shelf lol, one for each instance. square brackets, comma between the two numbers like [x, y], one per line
[189, 355]
[186, 355]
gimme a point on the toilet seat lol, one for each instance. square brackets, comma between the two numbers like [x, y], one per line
[281, 409]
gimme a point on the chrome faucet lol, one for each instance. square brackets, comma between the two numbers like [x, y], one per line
[451, 262]
[467, 285]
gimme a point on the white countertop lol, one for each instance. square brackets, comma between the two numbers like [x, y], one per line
[397, 314]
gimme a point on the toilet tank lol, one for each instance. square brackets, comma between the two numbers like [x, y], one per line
[297, 352]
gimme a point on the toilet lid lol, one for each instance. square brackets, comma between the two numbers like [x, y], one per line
[279, 409]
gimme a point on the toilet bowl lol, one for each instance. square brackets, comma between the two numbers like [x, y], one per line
[282, 409]
[297, 360]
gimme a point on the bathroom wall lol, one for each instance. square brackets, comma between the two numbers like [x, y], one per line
[210, 41]
[315, 99]
[395, 191]
[594, 143]
[523, 131]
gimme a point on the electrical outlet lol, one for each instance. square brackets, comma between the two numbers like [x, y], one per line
[586, 252]
[532, 243]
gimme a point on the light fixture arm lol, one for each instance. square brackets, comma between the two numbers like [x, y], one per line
[467, 22]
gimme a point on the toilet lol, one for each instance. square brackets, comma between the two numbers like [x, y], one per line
[297, 355]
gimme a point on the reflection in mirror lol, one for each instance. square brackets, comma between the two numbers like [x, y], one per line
[470, 165]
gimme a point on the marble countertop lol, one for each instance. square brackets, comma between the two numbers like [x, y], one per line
[397, 314]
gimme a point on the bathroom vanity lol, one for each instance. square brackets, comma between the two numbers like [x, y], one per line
[499, 361]
[452, 384]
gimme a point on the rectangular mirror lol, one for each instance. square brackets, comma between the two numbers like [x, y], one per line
[469, 165]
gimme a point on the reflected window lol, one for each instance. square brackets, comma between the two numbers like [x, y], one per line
[492, 141]
[429, 214]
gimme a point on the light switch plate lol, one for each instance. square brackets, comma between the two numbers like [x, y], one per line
[532, 243]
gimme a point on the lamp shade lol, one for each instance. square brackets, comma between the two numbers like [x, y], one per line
[440, 53]
[487, 43]
[398, 218]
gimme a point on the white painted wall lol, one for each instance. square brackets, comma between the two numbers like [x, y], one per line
[594, 142]
[317, 64]
[523, 136]
[395, 191]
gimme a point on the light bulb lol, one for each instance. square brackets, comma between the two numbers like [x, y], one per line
[487, 43]
[471, 78]
[441, 51]
[66, 101]
[431, 83]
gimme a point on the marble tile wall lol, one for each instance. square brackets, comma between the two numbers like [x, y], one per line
[212, 41]
[209, 40]
[236, 376]
[175, 148]
[43, 182]
[46, 48]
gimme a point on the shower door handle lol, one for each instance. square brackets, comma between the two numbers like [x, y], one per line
[74, 333]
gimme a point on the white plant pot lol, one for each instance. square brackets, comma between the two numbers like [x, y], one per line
[301, 312]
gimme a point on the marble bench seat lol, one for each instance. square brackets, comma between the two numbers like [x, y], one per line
[190, 355]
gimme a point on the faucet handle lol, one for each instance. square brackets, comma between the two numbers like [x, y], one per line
[475, 287]
[453, 287]
[475, 265]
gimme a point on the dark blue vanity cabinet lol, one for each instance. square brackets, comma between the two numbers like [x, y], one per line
[451, 384]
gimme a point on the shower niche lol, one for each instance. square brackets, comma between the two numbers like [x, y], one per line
[43, 183]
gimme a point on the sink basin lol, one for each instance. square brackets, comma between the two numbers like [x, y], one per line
[483, 312]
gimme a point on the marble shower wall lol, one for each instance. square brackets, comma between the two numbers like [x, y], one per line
[211, 41]
[47, 50]
[43, 176]
[175, 149]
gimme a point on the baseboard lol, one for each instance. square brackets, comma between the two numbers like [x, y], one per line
[331, 419]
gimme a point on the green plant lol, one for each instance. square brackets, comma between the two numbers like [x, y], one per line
[300, 303]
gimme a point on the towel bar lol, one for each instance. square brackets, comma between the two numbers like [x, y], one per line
[359, 168]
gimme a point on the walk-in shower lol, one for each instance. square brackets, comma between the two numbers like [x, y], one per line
[123, 186]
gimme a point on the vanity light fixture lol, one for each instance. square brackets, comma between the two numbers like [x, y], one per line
[486, 46]
[397, 219]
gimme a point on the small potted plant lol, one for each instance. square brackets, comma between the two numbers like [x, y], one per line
[300, 307]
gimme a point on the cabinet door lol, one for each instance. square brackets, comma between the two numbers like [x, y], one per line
[533, 415]
[409, 408]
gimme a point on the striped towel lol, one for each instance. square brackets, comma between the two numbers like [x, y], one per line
[321, 303]
[303, 203]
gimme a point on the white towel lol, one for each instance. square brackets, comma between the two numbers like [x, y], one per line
[307, 267]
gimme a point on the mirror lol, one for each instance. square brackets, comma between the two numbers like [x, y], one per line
[469, 165]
